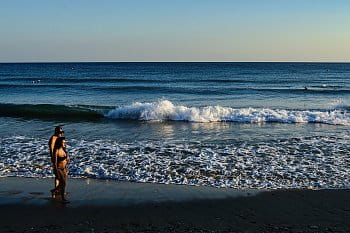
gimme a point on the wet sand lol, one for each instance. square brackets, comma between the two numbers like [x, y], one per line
[109, 206]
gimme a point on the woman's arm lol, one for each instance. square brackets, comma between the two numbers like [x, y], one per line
[51, 145]
[55, 154]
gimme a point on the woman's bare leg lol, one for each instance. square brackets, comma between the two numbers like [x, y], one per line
[62, 184]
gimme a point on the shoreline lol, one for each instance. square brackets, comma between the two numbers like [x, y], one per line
[111, 206]
[83, 191]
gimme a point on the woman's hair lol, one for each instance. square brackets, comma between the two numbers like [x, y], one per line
[58, 143]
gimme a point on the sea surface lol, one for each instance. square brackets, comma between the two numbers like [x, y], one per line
[235, 125]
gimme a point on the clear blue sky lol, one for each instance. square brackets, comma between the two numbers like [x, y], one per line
[174, 30]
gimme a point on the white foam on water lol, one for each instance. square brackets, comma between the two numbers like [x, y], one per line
[308, 162]
[166, 110]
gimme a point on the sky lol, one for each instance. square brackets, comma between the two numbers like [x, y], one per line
[174, 30]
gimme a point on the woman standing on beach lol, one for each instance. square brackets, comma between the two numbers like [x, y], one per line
[58, 133]
[60, 163]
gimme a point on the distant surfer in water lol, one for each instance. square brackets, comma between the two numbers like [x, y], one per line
[58, 133]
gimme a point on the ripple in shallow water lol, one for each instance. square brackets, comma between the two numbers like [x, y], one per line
[307, 162]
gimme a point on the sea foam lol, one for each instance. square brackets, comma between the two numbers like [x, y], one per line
[315, 162]
[166, 110]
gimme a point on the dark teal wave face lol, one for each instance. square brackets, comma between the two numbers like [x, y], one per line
[239, 85]
[51, 112]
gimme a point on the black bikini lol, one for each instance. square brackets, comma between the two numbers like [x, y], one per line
[61, 158]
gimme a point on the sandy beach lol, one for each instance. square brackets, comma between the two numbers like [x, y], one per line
[109, 206]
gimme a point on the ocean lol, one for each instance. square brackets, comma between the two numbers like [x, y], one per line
[226, 125]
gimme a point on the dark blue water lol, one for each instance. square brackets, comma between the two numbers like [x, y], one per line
[279, 85]
[259, 125]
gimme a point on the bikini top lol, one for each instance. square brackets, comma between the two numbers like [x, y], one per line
[61, 158]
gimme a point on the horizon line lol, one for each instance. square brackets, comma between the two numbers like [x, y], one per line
[168, 61]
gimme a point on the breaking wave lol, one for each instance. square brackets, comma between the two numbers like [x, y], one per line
[165, 110]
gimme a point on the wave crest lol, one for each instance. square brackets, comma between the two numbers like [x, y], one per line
[166, 110]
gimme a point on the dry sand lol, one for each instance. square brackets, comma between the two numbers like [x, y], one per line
[108, 206]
